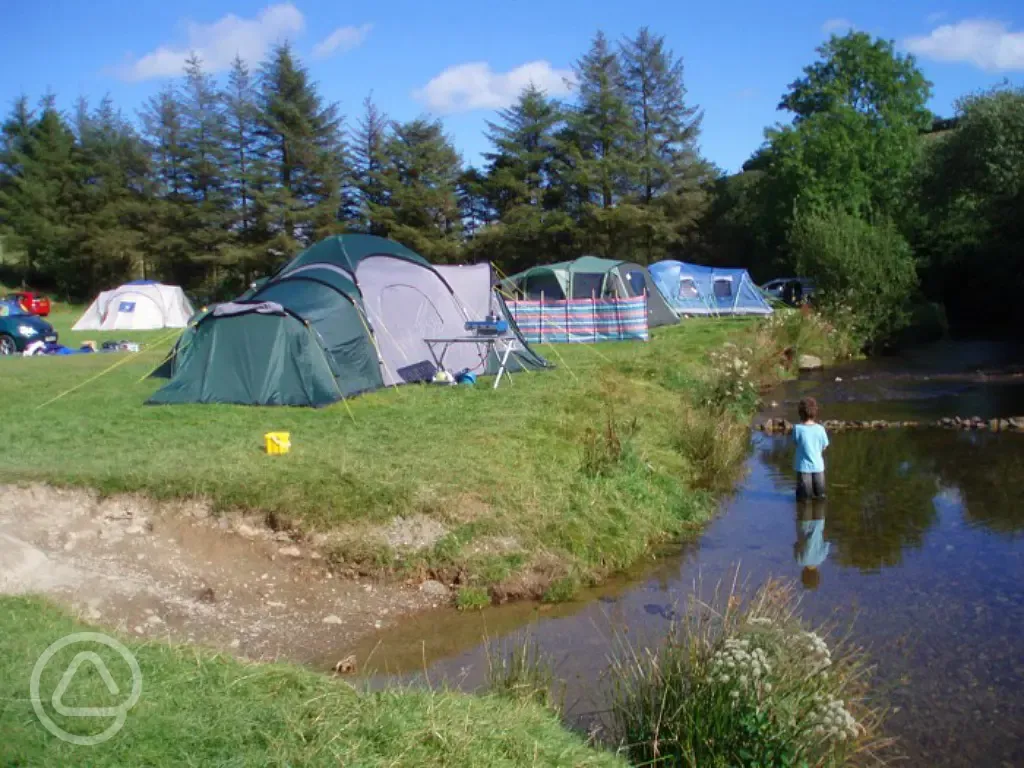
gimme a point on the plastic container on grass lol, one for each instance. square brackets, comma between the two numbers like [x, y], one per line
[277, 443]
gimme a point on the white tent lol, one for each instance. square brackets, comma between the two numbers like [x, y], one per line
[138, 306]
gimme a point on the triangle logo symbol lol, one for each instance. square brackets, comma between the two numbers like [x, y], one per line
[68, 676]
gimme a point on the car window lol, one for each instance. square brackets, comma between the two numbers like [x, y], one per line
[11, 309]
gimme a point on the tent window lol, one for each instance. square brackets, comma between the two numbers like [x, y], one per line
[637, 283]
[546, 283]
[723, 288]
[586, 285]
[688, 288]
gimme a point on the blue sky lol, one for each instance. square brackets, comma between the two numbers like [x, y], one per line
[460, 59]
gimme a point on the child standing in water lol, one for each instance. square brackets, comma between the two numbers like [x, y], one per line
[811, 441]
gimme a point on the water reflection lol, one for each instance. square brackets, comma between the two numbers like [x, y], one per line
[811, 548]
[880, 494]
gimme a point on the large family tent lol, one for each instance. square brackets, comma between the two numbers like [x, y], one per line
[139, 306]
[692, 289]
[348, 315]
[593, 277]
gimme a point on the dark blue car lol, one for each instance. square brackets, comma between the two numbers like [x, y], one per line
[18, 329]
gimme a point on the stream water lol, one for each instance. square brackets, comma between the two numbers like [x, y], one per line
[923, 551]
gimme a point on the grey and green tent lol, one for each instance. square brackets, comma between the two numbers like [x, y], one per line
[348, 315]
[592, 276]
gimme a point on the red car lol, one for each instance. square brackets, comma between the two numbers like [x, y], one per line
[32, 302]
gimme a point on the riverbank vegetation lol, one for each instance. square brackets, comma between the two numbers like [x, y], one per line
[742, 682]
[555, 479]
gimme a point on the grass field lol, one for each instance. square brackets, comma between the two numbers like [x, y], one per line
[197, 708]
[558, 479]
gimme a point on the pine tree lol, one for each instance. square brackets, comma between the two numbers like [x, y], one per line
[203, 127]
[420, 177]
[601, 127]
[368, 163]
[524, 142]
[110, 221]
[671, 175]
[667, 128]
[246, 177]
[39, 198]
[166, 237]
[14, 138]
[522, 185]
[302, 142]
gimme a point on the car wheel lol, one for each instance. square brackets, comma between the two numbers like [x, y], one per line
[7, 345]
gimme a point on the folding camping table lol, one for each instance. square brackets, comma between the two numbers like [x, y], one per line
[502, 346]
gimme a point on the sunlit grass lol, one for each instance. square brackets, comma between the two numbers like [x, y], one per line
[505, 464]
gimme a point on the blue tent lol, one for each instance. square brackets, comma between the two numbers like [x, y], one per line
[692, 289]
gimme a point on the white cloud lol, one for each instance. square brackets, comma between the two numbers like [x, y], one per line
[986, 44]
[936, 17]
[475, 85]
[218, 43]
[342, 39]
[836, 25]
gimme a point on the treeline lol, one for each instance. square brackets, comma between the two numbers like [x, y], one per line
[216, 183]
[894, 213]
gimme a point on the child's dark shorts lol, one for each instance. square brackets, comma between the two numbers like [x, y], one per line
[810, 485]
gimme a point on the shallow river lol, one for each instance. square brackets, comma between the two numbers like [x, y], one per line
[923, 547]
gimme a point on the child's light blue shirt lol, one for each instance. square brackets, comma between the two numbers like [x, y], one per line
[811, 440]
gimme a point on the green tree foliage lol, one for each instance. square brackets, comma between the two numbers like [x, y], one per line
[420, 176]
[40, 188]
[302, 144]
[246, 178]
[520, 196]
[165, 232]
[114, 200]
[602, 136]
[368, 165]
[670, 171]
[865, 267]
[970, 229]
[854, 141]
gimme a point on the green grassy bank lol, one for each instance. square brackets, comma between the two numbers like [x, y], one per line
[552, 481]
[197, 708]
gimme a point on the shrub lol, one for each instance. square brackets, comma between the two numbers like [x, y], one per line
[714, 445]
[865, 268]
[729, 383]
[745, 685]
[472, 599]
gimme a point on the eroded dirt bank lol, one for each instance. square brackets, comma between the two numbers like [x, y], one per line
[170, 570]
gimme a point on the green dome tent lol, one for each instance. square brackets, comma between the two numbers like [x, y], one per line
[347, 315]
[592, 276]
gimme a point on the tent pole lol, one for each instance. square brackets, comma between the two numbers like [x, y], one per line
[540, 318]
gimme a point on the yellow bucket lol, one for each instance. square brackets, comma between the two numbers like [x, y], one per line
[277, 442]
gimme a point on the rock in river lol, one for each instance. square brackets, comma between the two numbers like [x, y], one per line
[809, 363]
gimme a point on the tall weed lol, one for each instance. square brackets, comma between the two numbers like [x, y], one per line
[745, 683]
[714, 445]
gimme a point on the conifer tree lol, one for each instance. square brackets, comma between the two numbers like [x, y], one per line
[203, 167]
[110, 221]
[368, 162]
[246, 177]
[420, 177]
[301, 140]
[39, 194]
[165, 239]
[601, 127]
